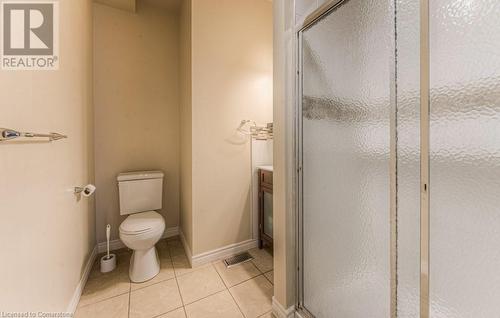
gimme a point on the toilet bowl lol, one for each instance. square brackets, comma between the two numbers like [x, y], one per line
[141, 194]
[140, 232]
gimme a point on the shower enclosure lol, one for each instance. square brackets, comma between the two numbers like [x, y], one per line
[398, 143]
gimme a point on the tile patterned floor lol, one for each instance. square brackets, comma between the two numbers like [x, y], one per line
[178, 291]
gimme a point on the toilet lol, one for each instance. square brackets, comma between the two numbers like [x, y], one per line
[141, 195]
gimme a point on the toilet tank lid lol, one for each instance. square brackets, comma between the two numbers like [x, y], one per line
[139, 175]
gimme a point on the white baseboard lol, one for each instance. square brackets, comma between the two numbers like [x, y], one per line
[171, 231]
[298, 315]
[83, 280]
[217, 254]
[187, 249]
[280, 312]
[117, 244]
[100, 248]
[113, 245]
[223, 252]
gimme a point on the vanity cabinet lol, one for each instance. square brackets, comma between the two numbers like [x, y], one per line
[265, 208]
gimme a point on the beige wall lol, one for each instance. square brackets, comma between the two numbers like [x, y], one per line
[284, 165]
[186, 206]
[136, 105]
[47, 232]
[231, 81]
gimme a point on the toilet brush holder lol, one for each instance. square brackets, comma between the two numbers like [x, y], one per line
[108, 263]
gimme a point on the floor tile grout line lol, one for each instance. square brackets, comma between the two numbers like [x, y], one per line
[227, 288]
[129, 289]
[205, 296]
[129, 298]
[236, 302]
[175, 277]
[263, 272]
[176, 281]
[272, 282]
[167, 312]
[264, 276]
[161, 281]
[220, 276]
[193, 269]
[256, 266]
[104, 299]
[269, 312]
[254, 258]
[246, 280]
[212, 294]
[180, 294]
[186, 304]
[95, 265]
[177, 284]
[178, 287]
[220, 291]
[260, 273]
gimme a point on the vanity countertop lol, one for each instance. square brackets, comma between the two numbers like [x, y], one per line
[266, 168]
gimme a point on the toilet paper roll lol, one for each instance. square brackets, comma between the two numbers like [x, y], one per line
[88, 190]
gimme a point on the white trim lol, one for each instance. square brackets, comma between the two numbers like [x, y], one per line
[117, 244]
[223, 252]
[100, 248]
[113, 245]
[217, 254]
[298, 315]
[83, 280]
[187, 249]
[171, 231]
[280, 312]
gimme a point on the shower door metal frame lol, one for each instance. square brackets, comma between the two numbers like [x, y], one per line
[314, 17]
[308, 22]
[424, 159]
[424, 153]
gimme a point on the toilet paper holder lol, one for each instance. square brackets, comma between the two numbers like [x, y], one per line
[86, 191]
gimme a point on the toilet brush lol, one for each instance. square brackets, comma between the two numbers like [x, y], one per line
[108, 261]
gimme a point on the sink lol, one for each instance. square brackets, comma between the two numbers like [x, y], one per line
[266, 168]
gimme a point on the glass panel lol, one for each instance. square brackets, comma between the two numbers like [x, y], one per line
[465, 158]
[408, 155]
[346, 87]
[268, 214]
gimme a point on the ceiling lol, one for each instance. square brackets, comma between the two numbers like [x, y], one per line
[128, 5]
[131, 5]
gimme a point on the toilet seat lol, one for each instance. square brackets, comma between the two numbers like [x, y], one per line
[142, 223]
[140, 232]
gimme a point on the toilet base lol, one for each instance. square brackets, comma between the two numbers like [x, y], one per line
[144, 265]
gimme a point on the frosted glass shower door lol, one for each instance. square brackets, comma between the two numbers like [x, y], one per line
[345, 146]
[465, 159]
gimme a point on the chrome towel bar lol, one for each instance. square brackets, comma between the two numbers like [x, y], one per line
[9, 134]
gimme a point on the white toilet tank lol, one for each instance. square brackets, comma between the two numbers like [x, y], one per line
[140, 191]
